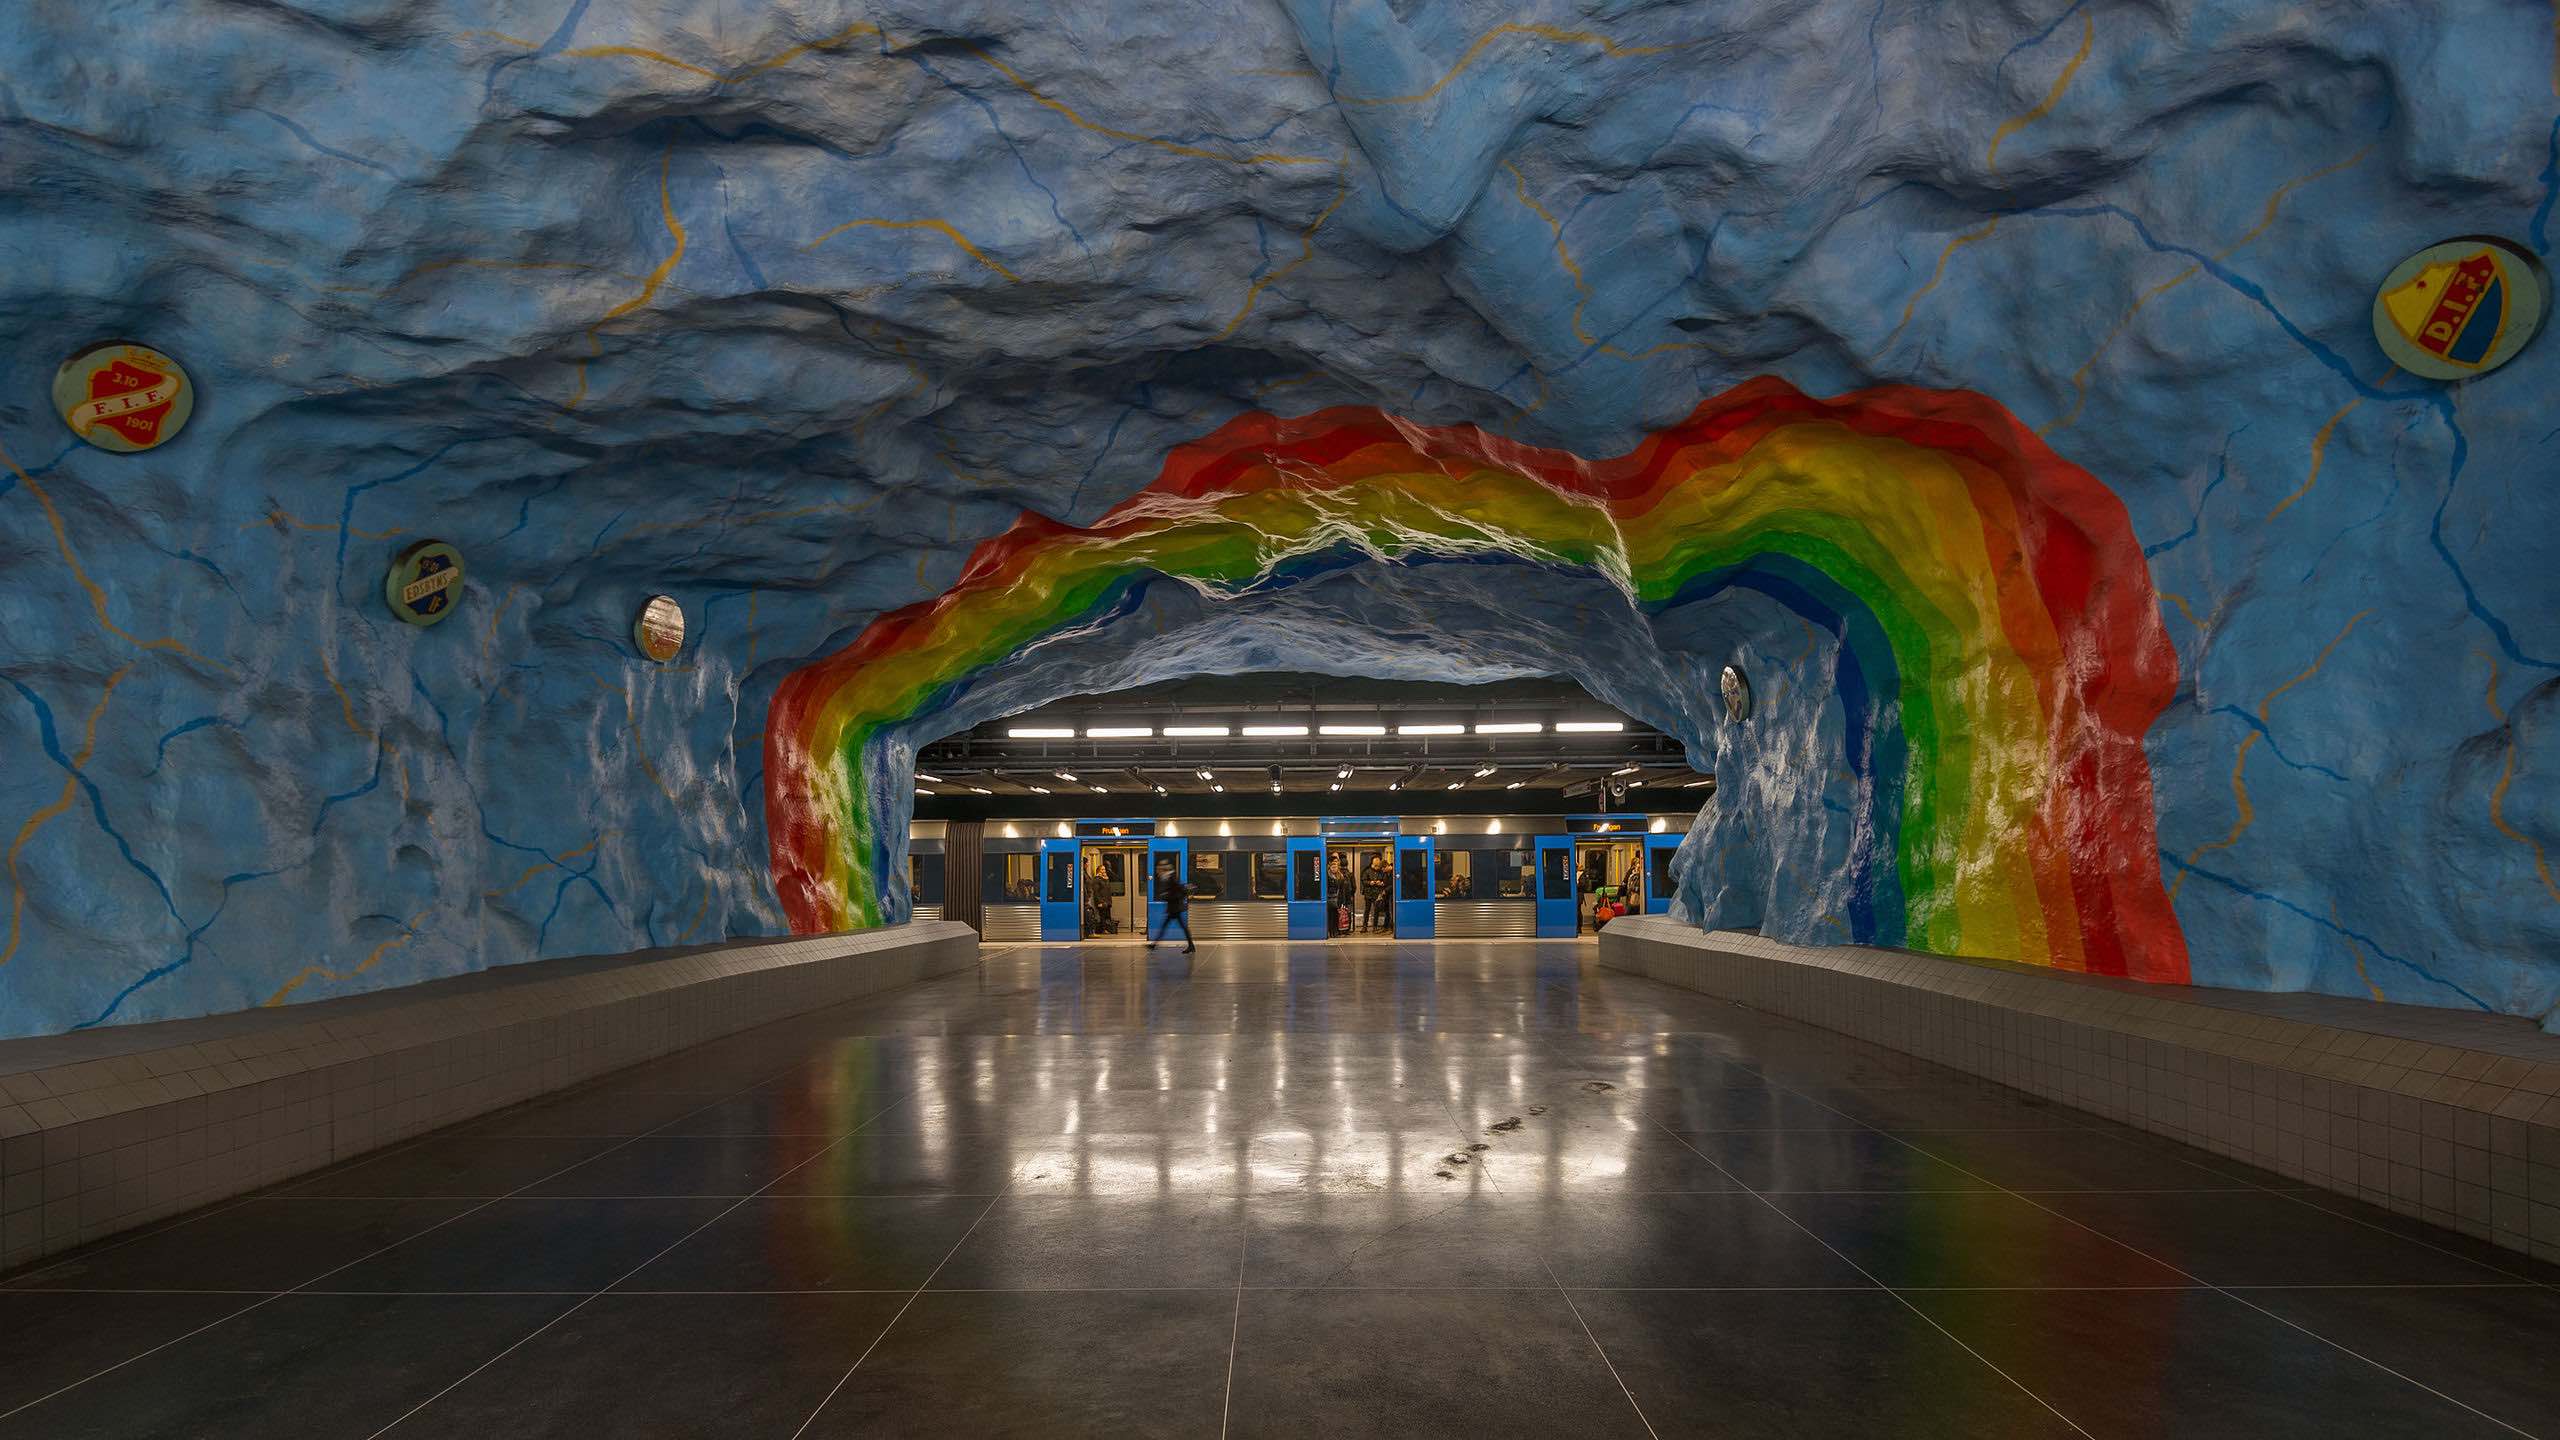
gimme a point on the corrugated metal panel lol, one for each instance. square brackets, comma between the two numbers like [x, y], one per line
[1240, 922]
[1484, 919]
[1012, 922]
[927, 912]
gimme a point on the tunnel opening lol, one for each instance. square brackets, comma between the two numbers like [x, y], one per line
[1956, 639]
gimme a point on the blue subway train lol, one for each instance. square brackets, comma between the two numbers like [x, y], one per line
[1305, 878]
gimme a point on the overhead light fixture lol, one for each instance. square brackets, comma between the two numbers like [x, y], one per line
[936, 779]
[1457, 784]
[1516, 784]
[1625, 770]
[1633, 784]
[1343, 773]
[976, 790]
[1694, 784]
[1512, 727]
[1395, 784]
[1433, 729]
[1039, 789]
[1118, 732]
[1590, 727]
[1195, 732]
[1162, 791]
[1275, 787]
[1487, 770]
[1275, 731]
[1099, 789]
[1336, 785]
[923, 791]
[1205, 773]
[1349, 730]
[1070, 779]
[1038, 732]
[1658, 826]
[1221, 789]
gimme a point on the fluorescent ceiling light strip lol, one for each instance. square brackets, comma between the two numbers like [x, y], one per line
[1512, 727]
[936, 779]
[1432, 729]
[1275, 730]
[1196, 732]
[1118, 732]
[1590, 727]
[1038, 732]
[1694, 784]
[1349, 730]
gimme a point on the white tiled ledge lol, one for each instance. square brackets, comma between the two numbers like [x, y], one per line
[2444, 1115]
[103, 1130]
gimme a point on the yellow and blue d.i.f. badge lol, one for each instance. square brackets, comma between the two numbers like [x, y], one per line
[2459, 309]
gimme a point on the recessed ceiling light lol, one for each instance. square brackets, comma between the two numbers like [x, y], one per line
[976, 790]
[1432, 729]
[1694, 784]
[1512, 727]
[936, 779]
[923, 791]
[1205, 773]
[1039, 789]
[1275, 787]
[1590, 727]
[1343, 773]
[1099, 789]
[1221, 789]
[1395, 784]
[1162, 791]
[1275, 730]
[1038, 732]
[1195, 732]
[1487, 770]
[1070, 779]
[1350, 730]
[1457, 784]
[1336, 785]
[1118, 732]
[1516, 784]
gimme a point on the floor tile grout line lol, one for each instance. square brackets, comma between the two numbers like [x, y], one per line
[369, 1255]
[2205, 1284]
[1599, 1349]
[591, 1296]
[1235, 1324]
[1930, 1320]
[918, 1293]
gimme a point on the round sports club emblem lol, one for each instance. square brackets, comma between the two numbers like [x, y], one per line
[425, 582]
[2460, 309]
[123, 397]
[659, 632]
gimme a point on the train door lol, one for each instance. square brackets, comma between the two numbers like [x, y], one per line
[1658, 850]
[1159, 851]
[1061, 908]
[1557, 904]
[1606, 873]
[1306, 887]
[1413, 887]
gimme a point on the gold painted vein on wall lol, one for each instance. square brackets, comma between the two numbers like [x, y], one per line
[424, 583]
[659, 630]
[123, 397]
[2461, 308]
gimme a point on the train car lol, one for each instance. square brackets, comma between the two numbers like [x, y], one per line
[1309, 877]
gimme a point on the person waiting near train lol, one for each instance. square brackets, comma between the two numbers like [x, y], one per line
[1175, 897]
[1338, 890]
[1374, 884]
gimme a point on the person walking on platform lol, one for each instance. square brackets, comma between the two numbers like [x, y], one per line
[1176, 899]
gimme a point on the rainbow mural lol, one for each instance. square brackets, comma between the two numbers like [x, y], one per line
[2001, 654]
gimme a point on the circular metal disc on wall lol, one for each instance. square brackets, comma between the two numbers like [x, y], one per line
[123, 397]
[1737, 695]
[2461, 308]
[659, 632]
[424, 583]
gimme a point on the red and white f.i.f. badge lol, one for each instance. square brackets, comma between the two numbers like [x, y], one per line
[123, 397]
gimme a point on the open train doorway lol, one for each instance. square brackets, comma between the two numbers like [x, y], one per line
[1360, 886]
[1116, 885]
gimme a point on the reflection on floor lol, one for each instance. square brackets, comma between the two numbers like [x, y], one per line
[1319, 1190]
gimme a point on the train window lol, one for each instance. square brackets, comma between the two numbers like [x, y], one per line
[1446, 867]
[1309, 877]
[1062, 876]
[1270, 875]
[1413, 877]
[1557, 882]
[1658, 884]
[1208, 875]
[1009, 879]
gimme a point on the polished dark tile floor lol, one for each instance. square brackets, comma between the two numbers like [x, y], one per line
[1478, 1190]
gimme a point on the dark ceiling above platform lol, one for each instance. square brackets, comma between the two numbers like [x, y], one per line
[1325, 741]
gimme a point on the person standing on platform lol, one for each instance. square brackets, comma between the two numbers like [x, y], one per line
[1176, 899]
[1373, 888]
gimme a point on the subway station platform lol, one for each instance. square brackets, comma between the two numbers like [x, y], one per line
[1340, 1190]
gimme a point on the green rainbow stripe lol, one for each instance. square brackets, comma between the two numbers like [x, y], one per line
[2001, 654]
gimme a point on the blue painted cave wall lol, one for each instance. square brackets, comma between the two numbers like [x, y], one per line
[780, 307]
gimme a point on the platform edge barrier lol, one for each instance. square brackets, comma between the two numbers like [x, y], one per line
[103, 1131]
[2455, 1121]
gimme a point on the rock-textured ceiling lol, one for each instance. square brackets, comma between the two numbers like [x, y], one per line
[784, 307]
